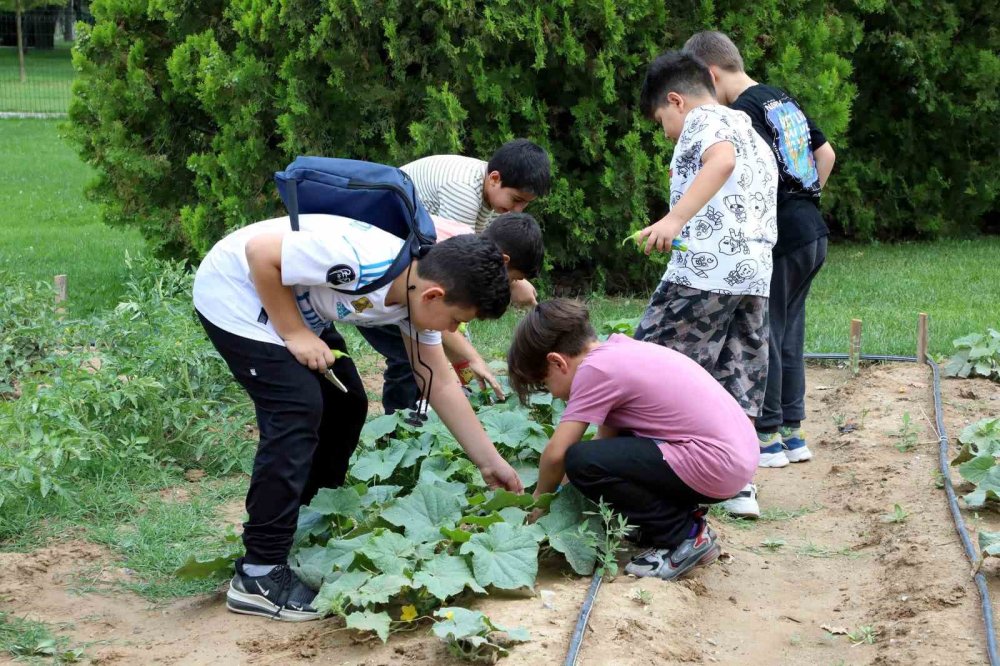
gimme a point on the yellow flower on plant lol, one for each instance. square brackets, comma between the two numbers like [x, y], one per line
[409, 613]
[450, 615]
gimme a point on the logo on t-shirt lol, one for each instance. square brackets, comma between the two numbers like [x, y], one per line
[362, 304]
[340, 274]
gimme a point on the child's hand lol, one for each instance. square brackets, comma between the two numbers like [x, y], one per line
[523, 294]
[309, 350]
[661, 234]
[502, 475]
[486, 378]
[535, 515]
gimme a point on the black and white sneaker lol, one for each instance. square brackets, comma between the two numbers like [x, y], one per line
[279, 595]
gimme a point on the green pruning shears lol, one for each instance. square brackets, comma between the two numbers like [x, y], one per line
[675, 244]
[328, 373]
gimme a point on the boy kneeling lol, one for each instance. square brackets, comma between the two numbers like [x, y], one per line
[670, 438]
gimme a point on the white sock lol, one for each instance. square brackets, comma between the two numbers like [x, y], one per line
[254, 570]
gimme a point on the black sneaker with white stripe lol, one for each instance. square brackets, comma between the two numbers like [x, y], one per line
[279, 595]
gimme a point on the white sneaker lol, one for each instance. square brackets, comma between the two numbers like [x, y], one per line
[772, 450]
[744, 505]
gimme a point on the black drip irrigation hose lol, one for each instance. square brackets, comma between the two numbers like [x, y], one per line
[576, 640]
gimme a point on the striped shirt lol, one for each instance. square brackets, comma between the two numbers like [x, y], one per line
[451, 186]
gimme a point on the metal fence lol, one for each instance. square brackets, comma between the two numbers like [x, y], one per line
[36, 78]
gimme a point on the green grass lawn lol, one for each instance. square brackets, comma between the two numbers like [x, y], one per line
[48, 80]
[47, 227]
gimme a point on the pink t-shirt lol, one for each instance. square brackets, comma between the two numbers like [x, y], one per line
[446, 228]
[662, 394]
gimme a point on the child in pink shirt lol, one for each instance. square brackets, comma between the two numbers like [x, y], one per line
[670, 438]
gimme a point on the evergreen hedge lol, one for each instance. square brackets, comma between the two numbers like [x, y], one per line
[187, 107]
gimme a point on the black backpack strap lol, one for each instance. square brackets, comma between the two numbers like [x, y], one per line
[293, 202]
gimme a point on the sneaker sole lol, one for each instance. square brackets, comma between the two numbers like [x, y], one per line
[708, 557]
[801, 454]
[255, 604]
[773, 460]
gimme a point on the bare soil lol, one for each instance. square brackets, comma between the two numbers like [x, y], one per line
[824, 560]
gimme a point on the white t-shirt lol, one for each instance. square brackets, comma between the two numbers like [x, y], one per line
[452, 186]
[327, 251]
[730, 239]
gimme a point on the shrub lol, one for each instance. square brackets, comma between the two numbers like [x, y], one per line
[186, 107]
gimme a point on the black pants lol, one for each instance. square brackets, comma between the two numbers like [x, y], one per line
[629, 473]
[784, 397]
[308, 431]
[399, 387]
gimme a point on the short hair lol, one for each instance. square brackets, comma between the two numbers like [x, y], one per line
[520, 238]
[674, 71]
[715, 48]
[522, 165]
[472, 273]
[561, 326]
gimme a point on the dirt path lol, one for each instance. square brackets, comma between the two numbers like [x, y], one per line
[833, 560]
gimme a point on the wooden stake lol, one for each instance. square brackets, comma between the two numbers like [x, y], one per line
[854, 352]
[922, 338]
[60, 282]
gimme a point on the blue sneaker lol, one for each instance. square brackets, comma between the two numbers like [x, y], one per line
[794, 441]
[772, 450]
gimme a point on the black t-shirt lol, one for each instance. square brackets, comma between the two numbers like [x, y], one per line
[793, 137]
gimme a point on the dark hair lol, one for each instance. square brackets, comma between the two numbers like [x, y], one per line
[471, 271]
[674, 71]
[561, 326]
[715, 48]
[522, 165]
[520, 238]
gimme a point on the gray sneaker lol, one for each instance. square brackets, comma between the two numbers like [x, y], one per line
[671, 563]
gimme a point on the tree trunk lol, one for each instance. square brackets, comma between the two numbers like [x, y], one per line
[20, 40]
[69, 18]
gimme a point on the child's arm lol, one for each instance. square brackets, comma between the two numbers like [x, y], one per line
[264, 257]
[453, 407]
[606, 432]
[458, 348]
[552, 466]
[825, 158]
[523, 294]
[718, 163]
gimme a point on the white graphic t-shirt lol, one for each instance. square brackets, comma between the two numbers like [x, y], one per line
[328, 251]
[729, 240]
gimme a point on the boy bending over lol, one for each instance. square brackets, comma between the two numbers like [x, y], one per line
[669, 439]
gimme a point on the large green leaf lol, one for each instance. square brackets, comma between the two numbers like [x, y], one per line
[572, 532]
[337, 502]
[987, 489]
[379, 589]
[378, 463]
[392, 553]
[975, 469]
[342, 587]
[514, 429]
[378, 428]
[195, 567]
[423, 512]
[369, 621]
[445, 576]
[379, 495]
[317, 564]
[505, 556]
[501, 499]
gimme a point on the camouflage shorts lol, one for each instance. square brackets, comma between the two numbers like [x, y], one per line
[725, 334]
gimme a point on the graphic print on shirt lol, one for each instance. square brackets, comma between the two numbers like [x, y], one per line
[312, 318]
[729, 238]
[791, 131]
[705, 224]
